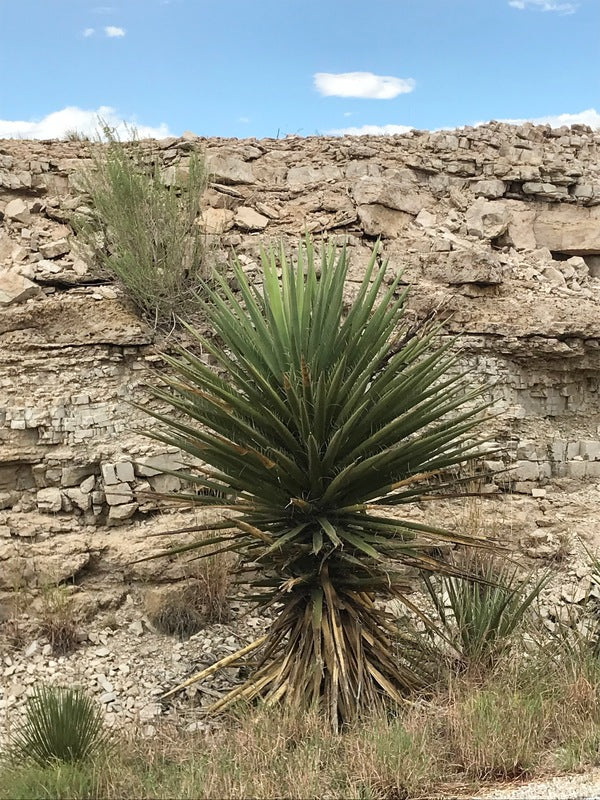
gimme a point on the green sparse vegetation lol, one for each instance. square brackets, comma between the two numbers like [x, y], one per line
[508, 725]
[62, 726]
[142, 226]
[482, 614]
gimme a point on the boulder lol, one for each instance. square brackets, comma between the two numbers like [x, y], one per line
[568, 229]
[466, 266]
[55, 249]
[377, 220]
[491, 188]
[217, 220]
[49, 500]
[387, 192]
[118, 494]
[520, 232]
[247, 219]
[121, 512]
[15, 288]
[229, 170]
[487, 219]
[17, 210]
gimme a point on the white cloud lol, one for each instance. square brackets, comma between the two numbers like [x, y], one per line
[544, 5]
[88, 32]
[589, 117]
[58, 123]
[361, 84]
[370, 130]
[113, 32]
[245, 120]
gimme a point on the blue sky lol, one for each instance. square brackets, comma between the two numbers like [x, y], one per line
[275, 67]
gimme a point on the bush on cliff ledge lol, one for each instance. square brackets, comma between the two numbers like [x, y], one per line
[142, 227]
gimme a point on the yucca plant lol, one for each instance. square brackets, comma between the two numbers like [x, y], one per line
[319, 424]
[481, 613]
[62, 725]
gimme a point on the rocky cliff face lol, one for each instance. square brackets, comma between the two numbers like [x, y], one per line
[497, 228]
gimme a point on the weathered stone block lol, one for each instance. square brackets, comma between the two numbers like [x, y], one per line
[80, 499]
[487, 219]
[109, 475]
[118, 493]
[119, 513]
[247, 219]
[49, 500]
[72, 475]
[15, 288]
[385, 192]
[17, 210]
[378, 220]
[55, 249]
[124, 471]
[229, 170]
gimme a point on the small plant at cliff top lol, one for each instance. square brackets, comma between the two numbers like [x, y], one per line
[142, 230]
[319, 427]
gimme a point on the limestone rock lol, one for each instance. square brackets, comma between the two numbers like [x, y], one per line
[80, 499]
[299, 176]
[568, 229]
[520, 232]
[545, 190]
[247, 219]
[72, 475]
[377, 220]
[217, 220]
[49, 500]
[15, 288]
[487, 219]
[229, 170]
[124, 471]
[17, 210]
[426, 219]
[154, 465]
[109, 473]
[118, 513]
[55, 249]
[467, 267]
[118, 494]
[492, 188]
[389, 193]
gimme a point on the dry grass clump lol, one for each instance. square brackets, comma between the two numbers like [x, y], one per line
[57, 619]
[203, 599]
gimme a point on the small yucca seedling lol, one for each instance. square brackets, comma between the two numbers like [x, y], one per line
[62, 725]
[480, 613]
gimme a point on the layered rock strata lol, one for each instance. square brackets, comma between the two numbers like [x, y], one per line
[496, 228]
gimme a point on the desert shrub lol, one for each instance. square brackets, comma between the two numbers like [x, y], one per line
[482, 614]
[57, 620]
[320, 424]
[62, 725]
[143, 231]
